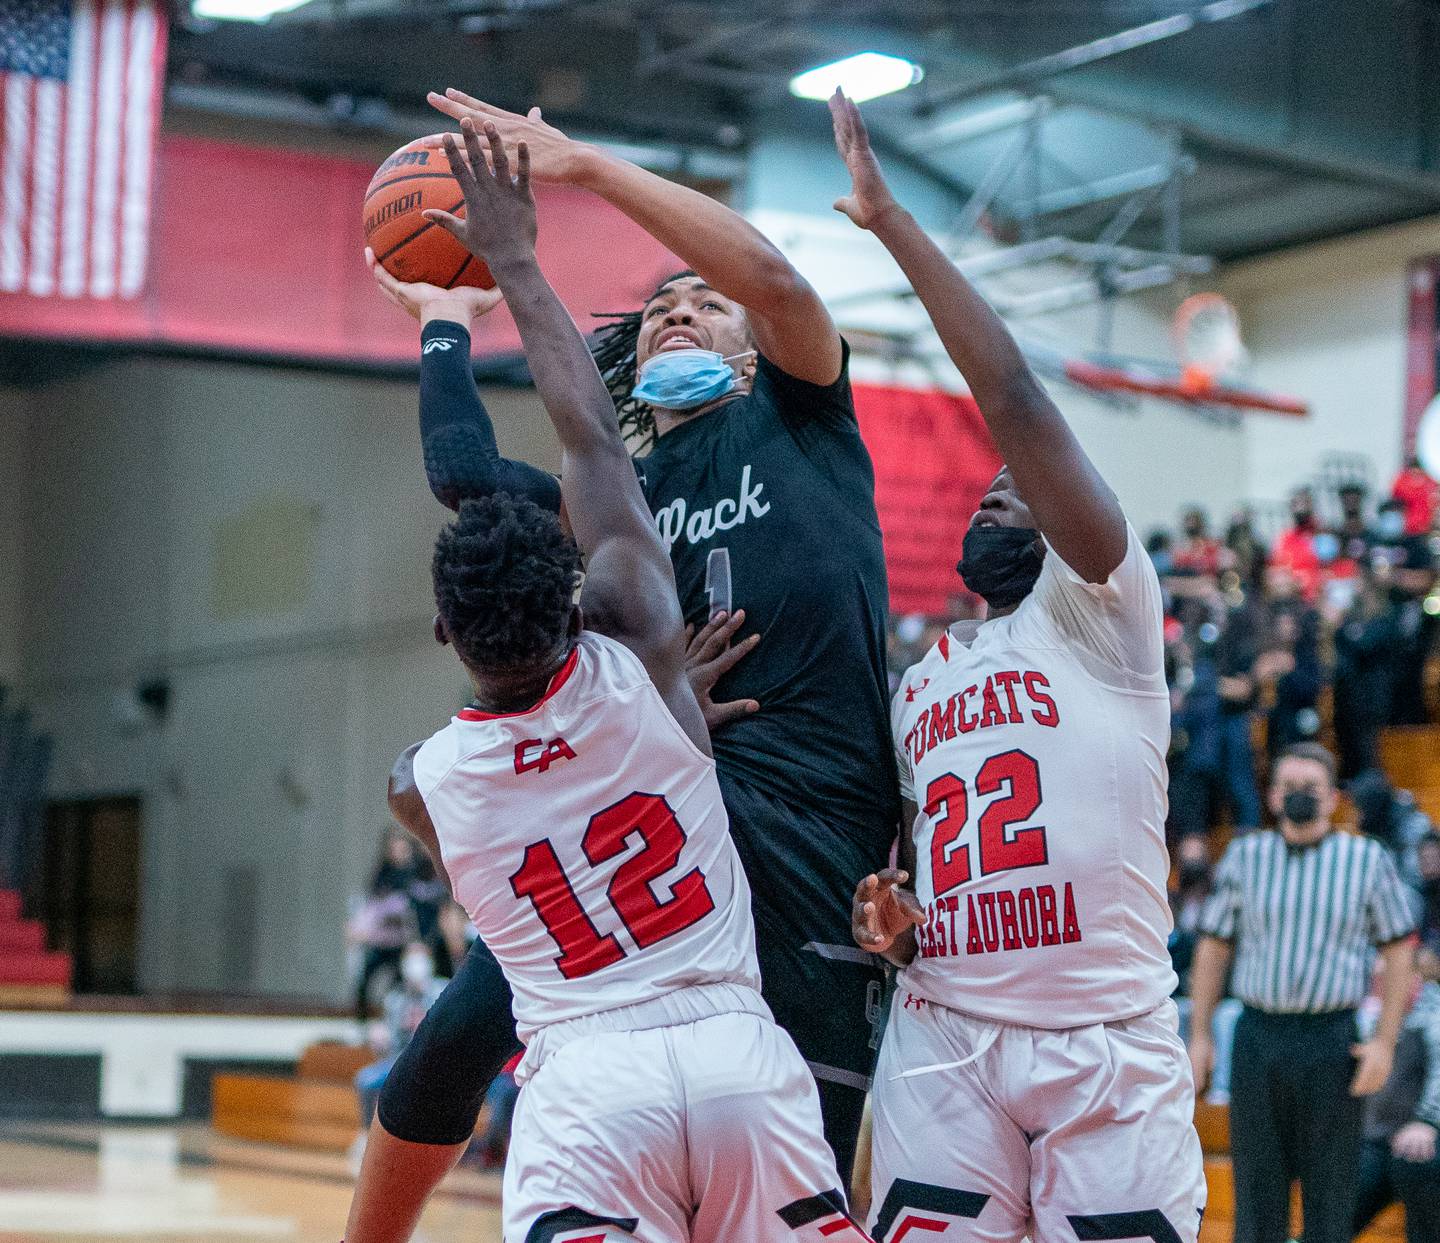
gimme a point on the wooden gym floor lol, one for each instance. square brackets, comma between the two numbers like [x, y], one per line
[89, 1184]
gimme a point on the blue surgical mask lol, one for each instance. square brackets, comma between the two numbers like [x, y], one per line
[684, 379]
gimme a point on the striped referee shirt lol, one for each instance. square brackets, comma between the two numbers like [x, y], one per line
[1305, 920]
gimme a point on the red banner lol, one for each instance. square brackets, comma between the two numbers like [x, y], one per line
[1421, 344]
[933, 458]
[259, 250]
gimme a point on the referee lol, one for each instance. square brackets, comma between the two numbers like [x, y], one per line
[1301, 909]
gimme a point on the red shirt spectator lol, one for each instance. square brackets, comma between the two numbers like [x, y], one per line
[1295, 552]
[1419, 494]
[1199, 552]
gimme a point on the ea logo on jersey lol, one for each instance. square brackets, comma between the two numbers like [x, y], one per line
[536, 755]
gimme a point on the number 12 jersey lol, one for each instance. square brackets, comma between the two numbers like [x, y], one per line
[1035, 755]
[587, 840]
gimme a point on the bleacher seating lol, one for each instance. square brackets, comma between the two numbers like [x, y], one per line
[1213, 1124]
[1410, 755]
[315, 1108]
[30, 975]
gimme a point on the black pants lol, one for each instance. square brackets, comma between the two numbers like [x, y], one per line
[1385, 1178]
[823, 990]
[1292, 1117]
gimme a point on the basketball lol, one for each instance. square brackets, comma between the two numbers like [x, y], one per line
[408, 246]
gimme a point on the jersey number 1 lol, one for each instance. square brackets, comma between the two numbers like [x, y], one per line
[583, 950]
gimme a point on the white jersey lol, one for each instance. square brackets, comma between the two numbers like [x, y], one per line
[587, 840]
[1036, 756]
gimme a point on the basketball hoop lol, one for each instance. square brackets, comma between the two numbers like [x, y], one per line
[1206, 329]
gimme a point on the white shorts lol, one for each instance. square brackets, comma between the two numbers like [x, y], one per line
[688, 1118]
[1074, 1134]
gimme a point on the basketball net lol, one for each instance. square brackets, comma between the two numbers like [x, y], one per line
[1207, 341]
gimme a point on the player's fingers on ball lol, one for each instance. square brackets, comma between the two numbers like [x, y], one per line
[476, 164]
[459, 168]
[451, 224]
[522, 166]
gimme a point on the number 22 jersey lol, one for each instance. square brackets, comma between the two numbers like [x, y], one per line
[1035, 754]
[587, 840]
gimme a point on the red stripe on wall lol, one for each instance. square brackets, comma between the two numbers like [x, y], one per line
[259, 250]
[933, 459]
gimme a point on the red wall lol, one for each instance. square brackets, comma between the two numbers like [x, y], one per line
[259, 250]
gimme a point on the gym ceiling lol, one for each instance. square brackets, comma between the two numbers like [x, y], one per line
[1275, 122]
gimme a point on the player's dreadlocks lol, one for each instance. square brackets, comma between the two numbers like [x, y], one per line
[614, 347]
[505, 576]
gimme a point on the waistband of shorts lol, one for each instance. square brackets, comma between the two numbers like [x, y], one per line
[1163, 1009]
[683, 1005]
[1299, 1018]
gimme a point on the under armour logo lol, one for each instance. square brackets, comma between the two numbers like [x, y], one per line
[438, 343]
[912, 691]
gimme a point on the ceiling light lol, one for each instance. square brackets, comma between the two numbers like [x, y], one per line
[242, 10]
[863, 76]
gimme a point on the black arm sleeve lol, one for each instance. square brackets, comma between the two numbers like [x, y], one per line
[456, 435]
[434, 1092]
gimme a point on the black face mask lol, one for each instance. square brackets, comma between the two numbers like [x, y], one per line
[1300, 807]
[1001, 564]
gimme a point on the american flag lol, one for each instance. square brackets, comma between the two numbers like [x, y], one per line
[81, 81]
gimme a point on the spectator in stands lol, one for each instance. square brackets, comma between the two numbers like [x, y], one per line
[1392, 818]
[385, 921]
[1191, 890]
[1291, 675]
[1419, 497]
[1160, 549]
[1301, 908]
[1402, 1121]
[405, 1005]
[1295, 552]
[428, 893]
[1407, 565]
[1354, 530]
[1365, 658]
[1199, 552]
[1427, 865]
[1246, 551]
[1236, 652]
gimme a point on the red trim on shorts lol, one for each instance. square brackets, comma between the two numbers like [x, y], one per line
[562, 676]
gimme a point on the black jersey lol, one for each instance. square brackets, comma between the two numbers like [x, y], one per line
[768, 504]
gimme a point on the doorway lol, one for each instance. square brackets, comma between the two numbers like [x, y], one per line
[89, 889]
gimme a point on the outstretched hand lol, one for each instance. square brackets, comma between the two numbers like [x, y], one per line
[463, 304]
[869, 198]
[710, 656]
[499, 220]
[882, 911]
[555, 157]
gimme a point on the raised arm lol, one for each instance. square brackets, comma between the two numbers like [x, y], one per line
[457, 438]
[1074, 507]
[791, 325]
[627, 571]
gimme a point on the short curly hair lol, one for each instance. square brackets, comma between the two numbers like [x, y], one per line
[505, 575]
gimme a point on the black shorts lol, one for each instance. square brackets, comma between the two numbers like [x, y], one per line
[822, 989]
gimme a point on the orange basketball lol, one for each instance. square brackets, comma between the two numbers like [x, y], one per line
[408, 246]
